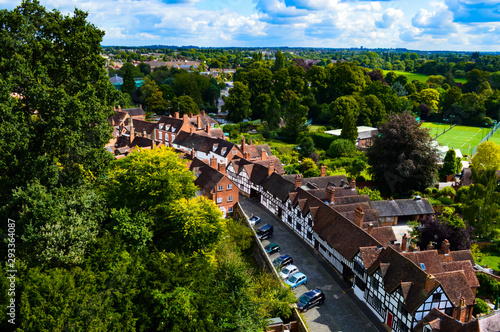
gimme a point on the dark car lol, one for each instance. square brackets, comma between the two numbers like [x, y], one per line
[272, 248]
[310, 299]
[265, 232]
[282, 261]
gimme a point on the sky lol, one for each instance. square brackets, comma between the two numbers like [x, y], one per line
[451, 25]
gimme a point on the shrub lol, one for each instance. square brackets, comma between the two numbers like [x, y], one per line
[489, 286]
[341, 148]
[322, 140]
[445, 200]
[481, 307]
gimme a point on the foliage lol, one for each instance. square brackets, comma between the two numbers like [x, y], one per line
[411, 161]
[295, 119]
[306, 146]
[237, 104]
[341, 148]
[322, 140]
[451, 163]
[489, 286]
[355, 168]
[487, 156]
[374, 194]
[445, 224]
[480, 307]
[184, 105]
[57, 131]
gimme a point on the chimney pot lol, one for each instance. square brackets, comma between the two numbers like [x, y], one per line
[246, 155]
[202, 112]
[263, 154]
[330, 193]
[185, 118]
[176, 115]
[445, 247]
[352, 184]
[323, 171]
[430, 283]
[298, 180]
[207, 128]
[198, 122]
[243, 145]
[370, 228]
[270, 168]
[430, 246]
[190, 114]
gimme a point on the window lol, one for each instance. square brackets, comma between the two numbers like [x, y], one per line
[230, 209]
[402, 309]
[374, 283]
[377, 303]
[230, 199]
[229, 186]
[310, 222]
[298, 212]
[234, 152]
[220, 188]
[449, 311]
[299, 227]
[219, 200]
[289, 219]
[160, 135]
[436, 297]
[402, 326]
[309, 235]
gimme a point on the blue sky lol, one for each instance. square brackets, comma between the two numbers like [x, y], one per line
[460, 25]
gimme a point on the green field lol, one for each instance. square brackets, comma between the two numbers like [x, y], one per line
[420, 77]
[496, 137]
[458, 137]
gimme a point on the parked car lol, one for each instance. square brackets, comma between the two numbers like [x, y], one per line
[296, 280]
[310, 299]
[265, 232]
[282, 261]
[272, 248]
[288, 271]
[254, 220]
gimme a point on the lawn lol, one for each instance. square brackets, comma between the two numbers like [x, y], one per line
[496, 137]
[458, 137]
[492, 259]
[420, 77]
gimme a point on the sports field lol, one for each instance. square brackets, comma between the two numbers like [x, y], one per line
[420, 77]
[496, 137]
[458, 137]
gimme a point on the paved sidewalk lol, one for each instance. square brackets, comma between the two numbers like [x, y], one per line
[342, 310]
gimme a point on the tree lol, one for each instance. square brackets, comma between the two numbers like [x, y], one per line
[279, 61]
[340, 108]
[475, 78]
[306, 146]
[155, 103]
[237, 104]
[451, 164]
[349, 129]
[56, 130]
[402, 157]
[273, 113]
[341, 148]
[128, 82]
[295, 119]
[183, 105]
[356, 166]
[487, 156]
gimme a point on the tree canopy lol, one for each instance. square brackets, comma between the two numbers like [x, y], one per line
[402, 156]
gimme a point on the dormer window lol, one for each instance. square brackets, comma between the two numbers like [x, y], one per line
[160, 126]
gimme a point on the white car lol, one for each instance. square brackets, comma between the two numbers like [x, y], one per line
[254, 220]
[288, 271]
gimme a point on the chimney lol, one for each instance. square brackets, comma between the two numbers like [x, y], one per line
[119, 108]
[359, 216]
[370, 228]
[213, 162]
[190, 114]
[222, 168]
[246, 155]
[250, 142]
[153, 144]
[404, 243]
[202, 112]
[132, 131]
[263, 154]
[323, 171]
[192, 154]
[298, 180]
[430, 246]
[413, 248]
[207, 128]
[445, 247]
[270, 168]
[461, 311]
[144, 133]
[140, 106]
[191, 130]
[352, 184]
[342, 183]
[198, 122]
[330, 194]
[243, 145]
[430, 283]
[185, 118]
[176, 115]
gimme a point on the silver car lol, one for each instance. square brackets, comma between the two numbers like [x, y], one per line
[288, 271]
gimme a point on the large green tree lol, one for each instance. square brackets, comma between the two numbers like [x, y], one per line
[402, 156]
[237, 104]
[54, 97]
[295, 119]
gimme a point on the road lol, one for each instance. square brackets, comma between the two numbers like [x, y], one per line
[342, 310]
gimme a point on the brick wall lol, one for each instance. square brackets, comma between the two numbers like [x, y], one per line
[225, 194]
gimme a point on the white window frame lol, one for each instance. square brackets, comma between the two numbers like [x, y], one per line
[230, 199]
[219, 200]
[229, 186]
[220, 188]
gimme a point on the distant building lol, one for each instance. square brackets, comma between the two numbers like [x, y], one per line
[365, 135]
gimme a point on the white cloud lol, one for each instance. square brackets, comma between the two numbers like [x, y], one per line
[390, 17]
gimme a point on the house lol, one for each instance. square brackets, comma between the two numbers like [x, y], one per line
[249, 176]
[365, 135]
[167, 128]
[394, 210]
[214, 184]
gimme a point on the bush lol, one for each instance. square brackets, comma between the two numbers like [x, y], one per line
[445, 200]
[480, 307]
[322, 140]
[489, 286]
[341, 148]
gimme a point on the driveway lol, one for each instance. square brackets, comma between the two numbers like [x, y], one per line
[340, 312]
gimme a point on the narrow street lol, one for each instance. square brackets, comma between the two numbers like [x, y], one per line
[342, 310]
